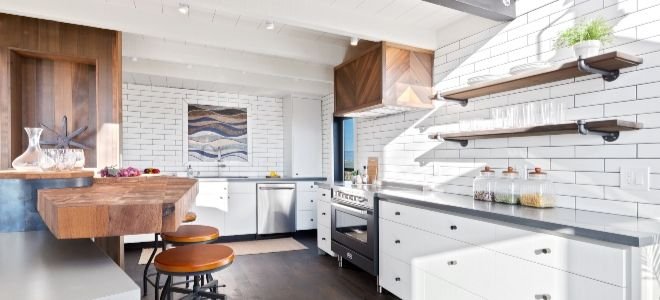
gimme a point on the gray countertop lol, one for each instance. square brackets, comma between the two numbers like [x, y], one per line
[260, 179]
[35, 265]
[622, 230]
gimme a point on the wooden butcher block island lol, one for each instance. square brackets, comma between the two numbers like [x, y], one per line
[117, 206]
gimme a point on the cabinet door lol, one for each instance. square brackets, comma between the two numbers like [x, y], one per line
[306, 139]
[429, 287]
[241, 217]
[305, 219]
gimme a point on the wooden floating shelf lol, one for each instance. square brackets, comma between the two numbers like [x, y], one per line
[605, 128]
[611, 61]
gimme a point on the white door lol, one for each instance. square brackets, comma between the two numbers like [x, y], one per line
[306, 138]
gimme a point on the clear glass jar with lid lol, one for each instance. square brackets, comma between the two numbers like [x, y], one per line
[507, 187]
[537, 190]
[483, 186]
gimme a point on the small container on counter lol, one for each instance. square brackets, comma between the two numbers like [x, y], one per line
[507, 187]
[537, 191]
[483, 186]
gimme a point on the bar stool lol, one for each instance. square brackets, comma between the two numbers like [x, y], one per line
[185, 235]
[199, 260]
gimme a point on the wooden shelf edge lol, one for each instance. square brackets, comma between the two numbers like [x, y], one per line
[610, 61]
[613, 125]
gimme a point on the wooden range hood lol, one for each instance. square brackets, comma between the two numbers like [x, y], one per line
[384, 79]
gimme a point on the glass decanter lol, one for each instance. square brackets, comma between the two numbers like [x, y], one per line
[29, 160]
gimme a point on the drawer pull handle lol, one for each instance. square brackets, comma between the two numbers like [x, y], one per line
[323, 214]
[323, 239]
[311, 220]
[323, 195]
[452, 262]
[542, 251]
[453, 227]
[542, 297]
[397, 242]
[397, 279]
[311, 201]
[397, 213]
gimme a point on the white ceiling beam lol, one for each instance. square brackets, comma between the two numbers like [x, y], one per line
[336, 20]
[150, 22]
[159, 49]
[226, 76]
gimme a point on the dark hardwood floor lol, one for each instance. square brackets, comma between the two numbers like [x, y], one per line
[285, 275]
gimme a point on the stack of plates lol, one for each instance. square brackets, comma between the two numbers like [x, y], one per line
[482, 78]
[524, 68]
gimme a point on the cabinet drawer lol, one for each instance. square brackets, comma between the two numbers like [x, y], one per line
[452, 226]
[243, 188]
[467, 266]
[307, 186]
[394, 276]
[604, 263]
[306, 200]
[404, 242]
[305, 219]
[212, 187]
[323, 213]
[323, 239]
[429, 287]
[520, 279]
[324, 195]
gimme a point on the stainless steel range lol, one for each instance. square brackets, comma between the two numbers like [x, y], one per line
[355, 226]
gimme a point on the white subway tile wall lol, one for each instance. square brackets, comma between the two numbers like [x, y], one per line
[585, 168]
[328, 108]
[153, 129]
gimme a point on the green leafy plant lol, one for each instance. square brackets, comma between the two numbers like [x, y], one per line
[597, 29]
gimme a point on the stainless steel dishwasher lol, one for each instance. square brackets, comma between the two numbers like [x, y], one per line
[276, 208]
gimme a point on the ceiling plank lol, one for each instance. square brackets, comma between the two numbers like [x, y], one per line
[100, 14]
[226, 76]
[159, 49]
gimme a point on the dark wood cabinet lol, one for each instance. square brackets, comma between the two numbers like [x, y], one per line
[385, 78]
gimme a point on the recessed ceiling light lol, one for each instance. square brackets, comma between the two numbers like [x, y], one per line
[270, 25]
[134, 59]
[184, 8]
[354, 40]
[189, 66]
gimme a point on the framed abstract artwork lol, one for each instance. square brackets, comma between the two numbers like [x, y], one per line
[217, 134]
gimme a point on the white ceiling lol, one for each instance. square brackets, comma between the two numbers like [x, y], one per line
[228, 45]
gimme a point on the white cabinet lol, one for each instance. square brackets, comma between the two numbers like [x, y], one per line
[323, 220]
[302, 137]
[454, 257]
[306, 203]
[241, 216]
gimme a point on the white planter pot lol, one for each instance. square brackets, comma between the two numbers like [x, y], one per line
[587, 48]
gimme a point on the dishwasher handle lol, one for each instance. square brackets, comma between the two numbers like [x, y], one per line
[269, 188]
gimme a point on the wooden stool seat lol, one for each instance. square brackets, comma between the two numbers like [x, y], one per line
[191, 234]
[198, 258]
[190, 217]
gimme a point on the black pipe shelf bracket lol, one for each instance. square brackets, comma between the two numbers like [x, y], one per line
[607, 75]
[607, 136]
[436, 136]
[437, 97]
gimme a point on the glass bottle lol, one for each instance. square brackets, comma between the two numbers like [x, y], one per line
[507, 189]
[538, 190]
[29, 160]
[483, 186]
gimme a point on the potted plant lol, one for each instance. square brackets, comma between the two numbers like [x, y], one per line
[586, 38]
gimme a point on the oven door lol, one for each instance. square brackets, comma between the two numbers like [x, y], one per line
[354, 228]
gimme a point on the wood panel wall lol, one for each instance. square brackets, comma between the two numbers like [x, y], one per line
[49, 69]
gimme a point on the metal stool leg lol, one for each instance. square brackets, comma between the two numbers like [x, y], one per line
[166, 288]
[146, 267]
[156, 285]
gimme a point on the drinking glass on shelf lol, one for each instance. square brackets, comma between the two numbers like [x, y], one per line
[560, 112]
[547, 112]
[499, 117]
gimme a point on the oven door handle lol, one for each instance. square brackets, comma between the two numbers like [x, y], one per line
[351, 209]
